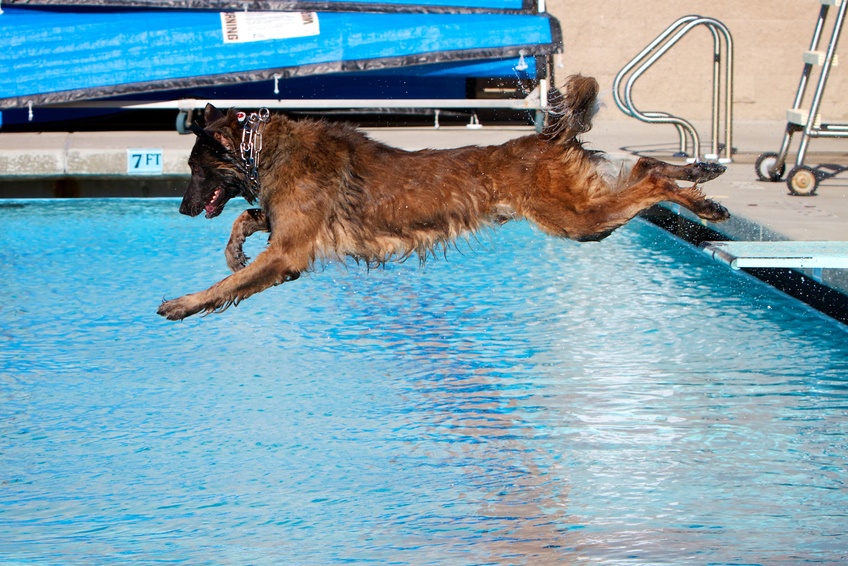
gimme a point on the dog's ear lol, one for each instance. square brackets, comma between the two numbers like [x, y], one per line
[223, 139]
[211, 114]
[225, 133]
[233, 119]
[221, 133]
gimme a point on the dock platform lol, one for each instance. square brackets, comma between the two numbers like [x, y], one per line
[786, 254]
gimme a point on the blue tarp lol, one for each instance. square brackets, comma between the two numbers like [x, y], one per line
[63, 56]
[299, 5]
[431, 82]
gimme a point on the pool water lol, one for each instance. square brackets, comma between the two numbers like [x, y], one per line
[524, 401]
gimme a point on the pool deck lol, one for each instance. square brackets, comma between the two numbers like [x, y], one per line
[94, 164]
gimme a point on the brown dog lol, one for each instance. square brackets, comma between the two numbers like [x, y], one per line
[328, 191]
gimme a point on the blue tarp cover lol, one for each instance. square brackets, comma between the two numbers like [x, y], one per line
[298, 5]
[62, 56]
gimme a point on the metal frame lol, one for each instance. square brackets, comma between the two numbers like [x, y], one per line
[656, 49]
[537, 100]
[803, 180]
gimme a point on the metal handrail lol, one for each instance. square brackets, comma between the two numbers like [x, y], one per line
[656, 49]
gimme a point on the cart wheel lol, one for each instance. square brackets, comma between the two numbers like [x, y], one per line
[765, 166]
[802, 181]
[183, 123]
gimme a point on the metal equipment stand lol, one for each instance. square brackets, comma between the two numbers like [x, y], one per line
[802, 179]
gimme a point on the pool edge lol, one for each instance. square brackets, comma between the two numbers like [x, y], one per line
[825, 290]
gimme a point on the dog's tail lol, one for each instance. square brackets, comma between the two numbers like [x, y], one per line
[571, 109]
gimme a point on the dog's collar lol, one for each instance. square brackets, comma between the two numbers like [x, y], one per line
[251, 146]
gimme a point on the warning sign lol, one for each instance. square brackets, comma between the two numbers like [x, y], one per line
[244, 27]
[144, 161]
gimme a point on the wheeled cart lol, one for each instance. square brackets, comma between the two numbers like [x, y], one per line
[803, 180]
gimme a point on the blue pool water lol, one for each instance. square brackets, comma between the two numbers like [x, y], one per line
[524, 401]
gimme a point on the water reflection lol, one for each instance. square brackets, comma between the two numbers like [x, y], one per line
[471, 396]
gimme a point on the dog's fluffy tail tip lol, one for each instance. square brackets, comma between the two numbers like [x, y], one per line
[572, 108]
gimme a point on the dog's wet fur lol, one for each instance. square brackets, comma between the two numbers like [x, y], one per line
[328, 191]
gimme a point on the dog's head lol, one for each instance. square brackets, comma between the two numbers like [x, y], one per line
[218, 172]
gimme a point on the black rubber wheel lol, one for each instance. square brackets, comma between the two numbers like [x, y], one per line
[802, 181]
[766, 170]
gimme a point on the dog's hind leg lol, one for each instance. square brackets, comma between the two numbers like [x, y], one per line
[618, 207]
[604, 213]
[699, 172]
[248, 222]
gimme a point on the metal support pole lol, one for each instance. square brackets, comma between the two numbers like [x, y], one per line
[817, 97]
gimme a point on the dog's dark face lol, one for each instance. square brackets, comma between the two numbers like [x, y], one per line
[217, 171]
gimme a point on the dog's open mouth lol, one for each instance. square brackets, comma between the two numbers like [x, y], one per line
[216, 204]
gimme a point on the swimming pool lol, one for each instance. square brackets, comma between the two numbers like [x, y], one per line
[526, 401]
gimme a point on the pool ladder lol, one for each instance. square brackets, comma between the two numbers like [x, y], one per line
[802, 179]
[652, 53]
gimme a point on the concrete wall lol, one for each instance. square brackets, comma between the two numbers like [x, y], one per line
[600, 37]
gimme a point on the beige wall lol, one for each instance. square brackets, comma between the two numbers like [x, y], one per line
[600, 37]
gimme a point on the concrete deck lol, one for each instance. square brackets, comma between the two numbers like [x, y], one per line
[96, 164]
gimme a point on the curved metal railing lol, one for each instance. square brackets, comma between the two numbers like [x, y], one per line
[656, 49]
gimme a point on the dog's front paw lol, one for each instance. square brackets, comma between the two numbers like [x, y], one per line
[178, 309]
[236, 259]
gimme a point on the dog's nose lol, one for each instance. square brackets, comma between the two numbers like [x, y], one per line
[187, 207]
